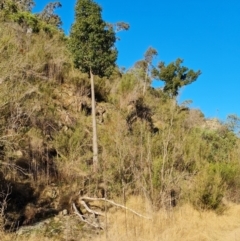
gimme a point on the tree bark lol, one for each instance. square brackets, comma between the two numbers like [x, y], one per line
[145, 80]
[94, 125]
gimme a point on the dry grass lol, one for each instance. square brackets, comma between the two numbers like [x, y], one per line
[184, 224]
[36, 56]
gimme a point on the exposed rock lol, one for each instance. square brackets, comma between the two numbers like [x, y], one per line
[213, 124]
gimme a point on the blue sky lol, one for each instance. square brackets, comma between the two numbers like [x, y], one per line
[205, 33]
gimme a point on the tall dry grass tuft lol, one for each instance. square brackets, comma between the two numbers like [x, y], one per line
[182, 224]
[32, 56]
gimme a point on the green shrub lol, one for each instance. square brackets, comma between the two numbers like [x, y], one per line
[128, 83]
[27, 20]
[209, 189]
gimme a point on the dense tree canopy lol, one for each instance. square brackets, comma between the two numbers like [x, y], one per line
[92, 40]
[175, 76]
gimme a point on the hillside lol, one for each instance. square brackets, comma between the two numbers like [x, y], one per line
[162, 159]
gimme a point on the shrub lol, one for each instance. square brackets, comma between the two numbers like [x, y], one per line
[209, 189]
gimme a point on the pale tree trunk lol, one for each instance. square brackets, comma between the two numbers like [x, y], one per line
[94, 125]
[145, 80]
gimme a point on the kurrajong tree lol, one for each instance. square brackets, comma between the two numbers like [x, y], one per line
[175, 76]
[92, 45]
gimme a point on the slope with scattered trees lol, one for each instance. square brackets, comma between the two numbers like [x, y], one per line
[148, 145]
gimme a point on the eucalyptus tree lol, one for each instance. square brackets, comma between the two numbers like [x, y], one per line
[145, 66]
[92, 45]
[49, 16]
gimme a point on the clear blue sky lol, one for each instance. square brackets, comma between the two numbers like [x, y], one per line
[205, 33]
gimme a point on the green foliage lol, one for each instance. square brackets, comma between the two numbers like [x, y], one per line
[91, 40]
[218, 145]
[145, 64]
[127, 83]
[25, 5]
[9, 7]
[20, 12]
[143, 68]
[227, 171]
[233, 123]
[209, 189]
[27, 20]
[175, 76]
[119, 26]
[149, 55]
[73, 143]
[157, 166]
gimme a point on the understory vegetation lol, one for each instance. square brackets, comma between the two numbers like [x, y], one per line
[149, 146]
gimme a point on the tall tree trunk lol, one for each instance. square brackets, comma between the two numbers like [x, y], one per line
[145, 79]
[94, 125]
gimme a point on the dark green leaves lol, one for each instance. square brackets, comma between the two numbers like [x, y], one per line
[175, 76]
[92, 40]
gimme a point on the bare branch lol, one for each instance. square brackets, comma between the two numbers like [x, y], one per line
[7, 136]
[14, 167]
[115, 204]
[4, 200]
[90, 210]
[82, 218]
